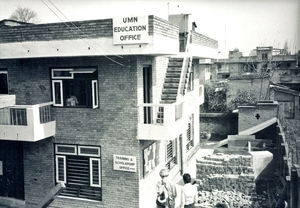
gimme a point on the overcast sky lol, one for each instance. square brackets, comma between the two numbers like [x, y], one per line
[242, 24]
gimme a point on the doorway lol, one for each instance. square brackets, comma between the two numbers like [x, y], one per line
[147, 91]
[11, 169]
[3, 82]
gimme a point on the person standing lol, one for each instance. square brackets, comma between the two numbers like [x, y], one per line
[189, 193]
[166, 191]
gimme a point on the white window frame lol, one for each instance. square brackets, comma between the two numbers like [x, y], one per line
[95, 100]
[55, 70]
[89, 147]
[91, 172]
[61, 93]
[65, 153]
[65, 168]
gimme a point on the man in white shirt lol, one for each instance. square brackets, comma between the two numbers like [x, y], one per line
[189, 193]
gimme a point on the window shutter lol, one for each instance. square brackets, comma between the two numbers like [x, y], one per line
[61, 168]
[95, 172]
[57, 93]
[95, 95]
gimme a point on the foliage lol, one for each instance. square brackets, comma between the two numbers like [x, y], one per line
[243, 98]
[215, 100]
[24, 15]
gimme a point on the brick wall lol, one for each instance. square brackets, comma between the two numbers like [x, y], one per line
[250, 116]
[203, 40]
[38, 170]
[226, 172]
[83, 29]
[112, 125]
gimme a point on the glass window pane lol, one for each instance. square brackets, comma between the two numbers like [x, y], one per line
[57, 93]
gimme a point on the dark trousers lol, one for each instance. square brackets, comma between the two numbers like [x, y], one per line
[189, 206]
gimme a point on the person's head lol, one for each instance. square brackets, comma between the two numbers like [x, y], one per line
[186, 178]
[221, 205]
[164, 173]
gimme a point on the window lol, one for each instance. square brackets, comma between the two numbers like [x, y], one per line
[190, 134]
[249, 67]
[95, 179]
[61, 168]
[79, 167]
[171, 154]
[191, 81]
[264, 56]
[76, 87]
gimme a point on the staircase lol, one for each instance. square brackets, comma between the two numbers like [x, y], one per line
[170, 88]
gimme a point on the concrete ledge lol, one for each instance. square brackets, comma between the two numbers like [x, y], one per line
[11, 202]
[217, 115]
[7, 100]
[261, 160]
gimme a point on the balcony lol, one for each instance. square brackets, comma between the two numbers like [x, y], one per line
[167, 121]
[28, 123]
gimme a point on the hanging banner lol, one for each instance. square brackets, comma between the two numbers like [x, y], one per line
[151, 158]
[130, 30]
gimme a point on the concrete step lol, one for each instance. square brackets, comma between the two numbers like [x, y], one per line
[175, 59]
[171, 85]
[174, 68]
[173, 74]
[172, 80]
[169, 91]
[168, 101]
[168, 96]
[175, 64]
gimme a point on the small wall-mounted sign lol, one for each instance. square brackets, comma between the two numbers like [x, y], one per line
[124, 163]
[1, 168]
[130, 30]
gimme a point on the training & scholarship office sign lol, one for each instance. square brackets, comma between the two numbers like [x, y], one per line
[124, 163]
[130, 30]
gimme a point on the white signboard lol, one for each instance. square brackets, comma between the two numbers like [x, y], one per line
[124, 163]
[130, 30]
[1, 168]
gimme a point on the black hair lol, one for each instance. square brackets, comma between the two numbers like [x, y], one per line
[186, 178]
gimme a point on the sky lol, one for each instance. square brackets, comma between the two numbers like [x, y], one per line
[242, 24]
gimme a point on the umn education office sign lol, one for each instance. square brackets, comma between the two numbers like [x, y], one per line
[124, 163]
[130, 30]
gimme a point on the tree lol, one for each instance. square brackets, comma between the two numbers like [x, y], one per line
[24, 15]
[215, 99]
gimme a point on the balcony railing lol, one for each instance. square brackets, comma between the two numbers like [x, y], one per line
[156, 121]
[167, 121]
[26, 122]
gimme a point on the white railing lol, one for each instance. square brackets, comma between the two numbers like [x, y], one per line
[160, 121]
[159, 114]
[185, 66]
[18, 115]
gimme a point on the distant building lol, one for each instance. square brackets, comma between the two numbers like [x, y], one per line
[100, 105]
[254, 73]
